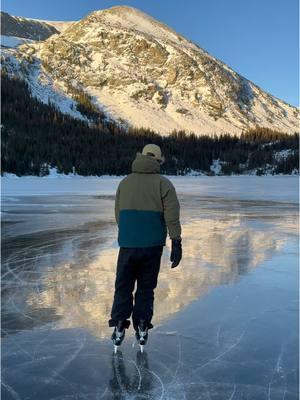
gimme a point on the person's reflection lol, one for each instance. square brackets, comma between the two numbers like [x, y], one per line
[143, 382]
[121, 385]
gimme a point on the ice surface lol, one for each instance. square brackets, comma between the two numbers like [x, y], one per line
[225, 321]
[276, 188]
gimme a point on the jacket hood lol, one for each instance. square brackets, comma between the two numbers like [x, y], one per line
[145, 165]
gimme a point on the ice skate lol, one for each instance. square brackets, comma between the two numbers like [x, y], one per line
[118, 335]
[141, 334]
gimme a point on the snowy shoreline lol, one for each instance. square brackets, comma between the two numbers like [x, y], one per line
[283, 188]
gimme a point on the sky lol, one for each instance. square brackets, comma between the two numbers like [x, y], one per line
[257, 38]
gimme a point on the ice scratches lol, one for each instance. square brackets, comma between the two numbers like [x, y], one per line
[12, 301]
[230, 307]
[117, 365]
[100, 396]
[43, 340]
[179, 347]
[36, 360]
[220, 355]
[164, 366]
[19, 347]
[161, 383]
[22, 269]
[279, 371]
[179, 357]
[206, 388]
[12, 272]
[233, 393]
[139, 372]
[65, 364]
[72, 387]
[24, 260]
[175, 387]
[224, 352]
[11, 391]
[141, 388]
[56, 374]
[13, 259]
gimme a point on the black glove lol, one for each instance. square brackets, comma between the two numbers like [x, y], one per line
[176, 252]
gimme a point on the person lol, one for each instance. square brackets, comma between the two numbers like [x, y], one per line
[146, 207]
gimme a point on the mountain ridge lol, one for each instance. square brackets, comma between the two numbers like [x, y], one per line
[26, 28]
[142, 73]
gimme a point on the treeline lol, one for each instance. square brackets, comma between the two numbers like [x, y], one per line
[85, 104]
[36, 137]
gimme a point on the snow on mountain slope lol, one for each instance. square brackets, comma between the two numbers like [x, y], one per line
[60, 26]
[42, 86]
[141, 72]
[13, 41]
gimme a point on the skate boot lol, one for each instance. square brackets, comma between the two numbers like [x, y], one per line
[141, 334]
[118, 335]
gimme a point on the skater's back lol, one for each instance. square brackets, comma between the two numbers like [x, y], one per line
[146, 205]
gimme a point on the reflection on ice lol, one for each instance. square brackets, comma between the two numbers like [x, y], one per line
[215, 252]
[125, 383]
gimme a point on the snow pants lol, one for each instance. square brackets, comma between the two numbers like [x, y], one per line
[141, 266]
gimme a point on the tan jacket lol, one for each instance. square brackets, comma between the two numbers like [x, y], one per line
[146, 206]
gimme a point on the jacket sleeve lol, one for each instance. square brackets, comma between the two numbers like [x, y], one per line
[117, 205]
[171, 208]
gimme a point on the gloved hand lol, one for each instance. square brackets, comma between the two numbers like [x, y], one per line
[176, 252]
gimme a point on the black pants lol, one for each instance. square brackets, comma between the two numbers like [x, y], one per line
[139, 265]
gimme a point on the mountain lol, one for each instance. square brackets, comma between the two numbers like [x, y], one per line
[25, 28]
[141, 73]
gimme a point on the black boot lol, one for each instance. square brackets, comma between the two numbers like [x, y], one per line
[141, 333]
[119, 334]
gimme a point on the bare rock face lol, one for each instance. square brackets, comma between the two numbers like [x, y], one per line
[141, 71]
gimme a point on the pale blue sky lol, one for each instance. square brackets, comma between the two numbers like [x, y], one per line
[257, 38]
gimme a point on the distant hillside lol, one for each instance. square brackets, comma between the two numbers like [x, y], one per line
[37, 137]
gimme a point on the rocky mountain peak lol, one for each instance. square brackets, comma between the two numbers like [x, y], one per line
[143, 73]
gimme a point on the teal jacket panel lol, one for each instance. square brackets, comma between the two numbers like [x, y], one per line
[141, 228]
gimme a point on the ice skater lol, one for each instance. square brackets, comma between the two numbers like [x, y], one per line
[146, 207]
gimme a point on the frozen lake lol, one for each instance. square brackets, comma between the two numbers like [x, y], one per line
[226, 320]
